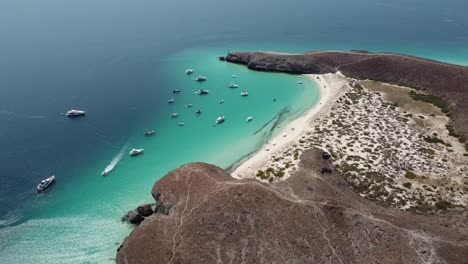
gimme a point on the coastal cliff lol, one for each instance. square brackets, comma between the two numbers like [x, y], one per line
[444, 80]
[214, 218]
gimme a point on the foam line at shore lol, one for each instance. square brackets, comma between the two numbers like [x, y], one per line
[330, 87]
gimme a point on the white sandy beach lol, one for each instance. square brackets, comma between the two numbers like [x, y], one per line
[331, 86]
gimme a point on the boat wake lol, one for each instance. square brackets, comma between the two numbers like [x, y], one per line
[114, 161]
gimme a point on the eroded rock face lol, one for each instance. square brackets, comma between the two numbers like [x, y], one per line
[309, 218]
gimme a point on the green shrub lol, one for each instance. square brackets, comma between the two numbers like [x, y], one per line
[407, 185]
[443, 205]
[429, 152]
[410, 175]
[434, 140]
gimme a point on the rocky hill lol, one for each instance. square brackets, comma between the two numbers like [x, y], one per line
[447, 81]
[206, 216]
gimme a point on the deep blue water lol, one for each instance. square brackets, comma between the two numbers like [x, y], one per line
[112, 59]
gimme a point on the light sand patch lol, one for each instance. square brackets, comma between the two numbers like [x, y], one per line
[331, 87]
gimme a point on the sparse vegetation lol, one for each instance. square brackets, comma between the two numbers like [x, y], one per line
[428, 151]
[407, 185]
[434, 100]
[410, 175]
[443, 205]
[451, 131]
[434, 140]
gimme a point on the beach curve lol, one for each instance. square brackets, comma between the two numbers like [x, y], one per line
[331, 86]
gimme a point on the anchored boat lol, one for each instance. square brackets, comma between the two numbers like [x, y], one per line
[135, 152]
[220, 119]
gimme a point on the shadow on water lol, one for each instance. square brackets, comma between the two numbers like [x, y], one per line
[267, 134]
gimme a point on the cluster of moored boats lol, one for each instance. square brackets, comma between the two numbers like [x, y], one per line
[200, 78]
[46, 183]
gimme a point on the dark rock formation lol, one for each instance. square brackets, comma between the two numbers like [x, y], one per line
[145, 210]
[307, 218]
[326, 155]
[133, 217]
[441, 79]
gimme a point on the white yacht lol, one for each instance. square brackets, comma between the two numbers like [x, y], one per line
[170, 101]
[234, 76]
[299, 82]
[189, 71]
[198, 112]
[220, 119]
[188, 105]
[233, 85]
[244, 93]
[176, 90]
[45, 184]
[74, 112]
[135, 152]
[174, 115]
[181, 124]
[200, 78]
[202, 92]
[249, 119]
[221, 101]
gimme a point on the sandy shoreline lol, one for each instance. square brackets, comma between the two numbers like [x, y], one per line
[330, 87]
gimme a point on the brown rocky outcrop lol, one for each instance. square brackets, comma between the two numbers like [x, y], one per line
[308, 218]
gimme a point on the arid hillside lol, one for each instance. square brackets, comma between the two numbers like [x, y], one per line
[447, 81]
[309, 218]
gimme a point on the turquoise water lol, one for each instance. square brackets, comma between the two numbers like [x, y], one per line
[119, 60]
[79, 218]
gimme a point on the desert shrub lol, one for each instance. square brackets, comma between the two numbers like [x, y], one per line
[434, 140]
[443, 205]
[407, 185]
[410, 175]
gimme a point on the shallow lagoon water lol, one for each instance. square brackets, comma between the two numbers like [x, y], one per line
[119, 60]
[79, 217]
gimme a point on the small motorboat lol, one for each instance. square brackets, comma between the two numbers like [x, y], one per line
[75, 113]
[176, 90]
[221, 101]
[135, 152]
[170, 101]
[149, 133]
[173, 115]
[249, 119]
[202, 92]
[198, 112]
[188, 105]
[233, 85]
[106, 171]
[45, 184]
[244, 93]
[181, 124]
[189, 71]
[299, 82]
[220, 119]
[200, 79]
[234, 76]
